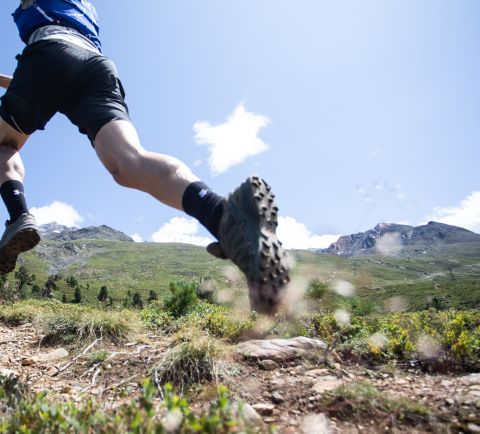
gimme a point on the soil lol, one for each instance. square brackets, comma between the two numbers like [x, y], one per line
[286, 395]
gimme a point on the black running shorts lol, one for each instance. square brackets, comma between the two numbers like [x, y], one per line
[56, 76]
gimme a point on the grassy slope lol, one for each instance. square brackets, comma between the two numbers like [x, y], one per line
[123, 266]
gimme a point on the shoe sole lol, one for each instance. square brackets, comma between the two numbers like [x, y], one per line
[267, 288]
[22, 241]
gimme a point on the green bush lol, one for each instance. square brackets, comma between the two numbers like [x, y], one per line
[23, 412]
[154, 315]
[316, 289]
[397, 335]
[218, 321]
[182, 297]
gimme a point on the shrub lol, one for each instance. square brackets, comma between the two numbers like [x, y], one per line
[154, 315]
[182, 297]
[219, 321]
[316, 289]
[28, 413]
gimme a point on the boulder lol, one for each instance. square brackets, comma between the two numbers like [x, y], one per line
[279, 350]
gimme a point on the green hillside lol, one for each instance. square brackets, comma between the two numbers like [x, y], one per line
[142, 267]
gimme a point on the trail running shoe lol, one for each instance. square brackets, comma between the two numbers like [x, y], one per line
[19, 236]
[247, 237]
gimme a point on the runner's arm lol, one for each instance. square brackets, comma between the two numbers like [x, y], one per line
[5, 81]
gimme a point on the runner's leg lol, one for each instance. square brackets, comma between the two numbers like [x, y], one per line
[11, 165]
[164, 177]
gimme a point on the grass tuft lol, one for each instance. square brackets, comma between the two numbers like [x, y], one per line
[195, 357]
[66, 323]
[364, 401]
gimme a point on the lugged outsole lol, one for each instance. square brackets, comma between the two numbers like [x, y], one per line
[267, 290]
[22, 241]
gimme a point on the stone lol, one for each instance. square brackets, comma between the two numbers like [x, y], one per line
[279, 350]
[474, 428]
[470, 380]
[446, 383]
[248, 414]
[8, 373]
[66, 389]
[29, 361]
[316, 372]
[264, 409]
[327, 383]
[277, 397]
[51, 356]
[315, 424]
[278, 382]
[269, 365]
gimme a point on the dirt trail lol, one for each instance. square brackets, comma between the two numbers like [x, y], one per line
[283, 396]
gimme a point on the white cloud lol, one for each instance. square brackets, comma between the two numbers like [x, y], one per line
[136, 237]
[60, 212]
[465, 215]
[295, 235]
[180, 230]
[232, 142]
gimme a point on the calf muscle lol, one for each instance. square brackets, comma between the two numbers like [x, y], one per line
[164, 177]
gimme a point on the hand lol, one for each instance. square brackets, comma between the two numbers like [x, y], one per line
[5, 81]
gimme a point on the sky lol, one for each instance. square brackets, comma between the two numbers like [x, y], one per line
[355, 112]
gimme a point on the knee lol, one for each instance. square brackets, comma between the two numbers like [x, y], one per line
[128, 170]
[10, 160]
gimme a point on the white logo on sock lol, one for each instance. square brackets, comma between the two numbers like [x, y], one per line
[203, 192]
[17, 192]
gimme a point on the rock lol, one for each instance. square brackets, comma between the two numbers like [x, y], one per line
[66, 389]
[51, 356]
[269, 365]
[248, 414]
[315, 424]
[474, 428]
[279, 350]
[8, 373]
[450, 401]
[324, 384]
[470, 380]
[277, 398]
[446, 383]
[264, 409]
[29, 361]
[316, 372]
[278, 382]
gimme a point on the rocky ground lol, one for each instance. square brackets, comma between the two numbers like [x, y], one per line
[284, 382]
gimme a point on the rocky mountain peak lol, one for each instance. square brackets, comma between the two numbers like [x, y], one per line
[431, 237]
[56, 232]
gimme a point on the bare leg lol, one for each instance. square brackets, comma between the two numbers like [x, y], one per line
[164, 177]
[11, 165]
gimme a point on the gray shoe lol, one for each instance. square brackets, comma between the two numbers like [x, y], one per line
[247, 237]
[19, 236]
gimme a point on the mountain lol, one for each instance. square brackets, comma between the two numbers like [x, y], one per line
[393, 239]
[434, 260]
[56, 232]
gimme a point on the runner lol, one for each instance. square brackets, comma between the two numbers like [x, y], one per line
[62, 69]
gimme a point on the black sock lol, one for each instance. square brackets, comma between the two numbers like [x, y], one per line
[203, 204]
[13, 195]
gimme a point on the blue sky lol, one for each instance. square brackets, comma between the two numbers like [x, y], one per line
[356, 112]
